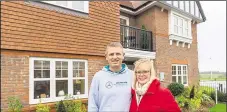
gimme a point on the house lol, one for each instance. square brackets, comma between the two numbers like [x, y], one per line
[53, 48]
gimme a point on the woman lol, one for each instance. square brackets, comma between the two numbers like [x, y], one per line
[147, 95]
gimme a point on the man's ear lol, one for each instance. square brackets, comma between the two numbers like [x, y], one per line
[123, 56]
[105, 56]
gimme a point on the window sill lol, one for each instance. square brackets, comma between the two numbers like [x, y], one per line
[51, 100]
[180, 38]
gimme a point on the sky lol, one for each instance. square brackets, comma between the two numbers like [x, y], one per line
[211, 36]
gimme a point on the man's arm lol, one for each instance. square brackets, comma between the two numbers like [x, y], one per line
[93, 104]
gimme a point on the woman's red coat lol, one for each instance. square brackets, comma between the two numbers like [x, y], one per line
[156, 99]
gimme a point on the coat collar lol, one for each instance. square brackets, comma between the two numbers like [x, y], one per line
[153, 87]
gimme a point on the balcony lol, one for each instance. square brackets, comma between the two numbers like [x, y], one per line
[137, 39]
[137, 43]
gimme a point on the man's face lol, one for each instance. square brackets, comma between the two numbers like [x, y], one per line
[114, 56]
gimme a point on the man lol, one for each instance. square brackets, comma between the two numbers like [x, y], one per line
[110, 89]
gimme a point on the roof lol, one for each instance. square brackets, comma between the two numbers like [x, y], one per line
[135, 5]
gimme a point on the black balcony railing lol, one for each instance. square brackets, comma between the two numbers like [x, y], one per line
[135, 38]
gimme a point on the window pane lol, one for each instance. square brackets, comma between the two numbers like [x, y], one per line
[64, 65]
[184, 67]
[75, 73]
[175, 29]
[81, 65]
[173, 67]
[58, 64]
[78, 86]
[46, 64]
[37, 73]
[186, 24]
[46, 74]
[78, 5]
[174, 79]
[61, 87]
[175, 20]
[185, 80]
[180, 30]
[37, 64]
[58, 74]
[174, 72]
[81, 73]
[179, 79]
[186, 32]
[75, 65]
[180, 22]
[179, 70]
[64, 73]
[41, 89]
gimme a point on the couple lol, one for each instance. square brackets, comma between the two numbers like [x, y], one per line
[117, 89]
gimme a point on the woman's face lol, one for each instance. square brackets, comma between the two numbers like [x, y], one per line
[142, 73]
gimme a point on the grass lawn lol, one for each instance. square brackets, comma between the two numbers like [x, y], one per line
[220, 107]
[208, 79]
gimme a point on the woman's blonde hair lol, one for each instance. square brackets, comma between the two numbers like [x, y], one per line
[149, 62]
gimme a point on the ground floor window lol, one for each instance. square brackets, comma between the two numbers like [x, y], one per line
[180, 73]
[51, 79]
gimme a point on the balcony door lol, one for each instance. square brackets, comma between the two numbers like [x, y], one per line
[124, 30]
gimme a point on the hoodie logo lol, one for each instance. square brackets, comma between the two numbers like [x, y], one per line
[109, 85]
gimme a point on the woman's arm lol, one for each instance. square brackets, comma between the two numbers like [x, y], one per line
[170, 104]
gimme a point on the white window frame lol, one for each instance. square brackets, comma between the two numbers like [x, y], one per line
[69, 5]
[181, 74]
[176, 36]
[52, 79]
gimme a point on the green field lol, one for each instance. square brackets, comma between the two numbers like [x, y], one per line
[218, 77]
[220, 107]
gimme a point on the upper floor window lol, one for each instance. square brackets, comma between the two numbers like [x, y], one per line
[179, 25]
[81, 6]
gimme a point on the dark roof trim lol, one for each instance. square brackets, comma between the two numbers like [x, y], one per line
[132, 9]
[201, 11]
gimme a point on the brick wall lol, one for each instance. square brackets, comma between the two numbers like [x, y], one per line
[28, 27]
[15, 72]
[14, 78]
[157, 21]
[167, 54]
